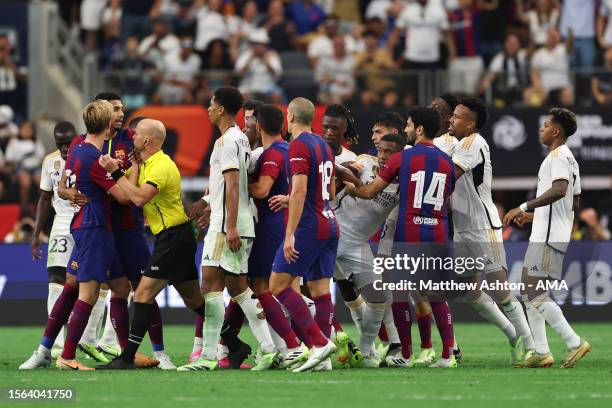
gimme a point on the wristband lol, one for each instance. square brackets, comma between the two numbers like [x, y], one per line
[524, 207]
[117, 174]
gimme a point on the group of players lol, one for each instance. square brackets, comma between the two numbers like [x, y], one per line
[285, 217]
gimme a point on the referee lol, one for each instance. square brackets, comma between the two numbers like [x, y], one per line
[154, 183]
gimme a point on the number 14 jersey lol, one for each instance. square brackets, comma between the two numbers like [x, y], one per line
[230, 153]
[310, 155]
[426, 181]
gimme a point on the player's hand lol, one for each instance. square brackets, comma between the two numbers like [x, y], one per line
[523, 219]
[200, 211]
[35, 247]
[354, 166]
[278, 202]
[512, 215]
[134, 157]
[233, 239]
[76, 197]
[291, 254]
[108, 163]
[350, 188]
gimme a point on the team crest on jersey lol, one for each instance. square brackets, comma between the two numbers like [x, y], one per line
[120, 154]
[56, 166]
[74, 265]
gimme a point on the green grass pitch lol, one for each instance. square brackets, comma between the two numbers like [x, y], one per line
[483, 379]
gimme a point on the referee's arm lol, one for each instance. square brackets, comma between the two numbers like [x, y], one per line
[139, 195]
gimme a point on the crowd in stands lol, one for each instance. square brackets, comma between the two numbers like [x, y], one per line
[366, 53]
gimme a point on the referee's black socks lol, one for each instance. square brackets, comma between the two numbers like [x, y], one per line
[140, 325]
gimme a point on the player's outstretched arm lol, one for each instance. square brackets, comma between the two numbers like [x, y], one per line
[367, 191]
[261, 188]
[42, 212]
[345, 174]
[555, 192]
[124, 191]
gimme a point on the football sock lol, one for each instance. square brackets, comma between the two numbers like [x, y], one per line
[424, 322]
[487, 308]
[370, 325]
[392, 335]
[537, 324]
[335, 325]
[59, 315]
[55, 290]
[76, 325]
[156, 331]
[444, 322]
[140, 325]
[301, 335]
[514, 311]
[213, 321]
[382, 333]
[311, 305]
[121, 320]
[553, 315]
[109, 336]
[199, 326]
[403, 321]
[234, 316]
[248, 302]
[90, 335]
[297, 308]
[325, 314]
[357, 308]
[277, 320]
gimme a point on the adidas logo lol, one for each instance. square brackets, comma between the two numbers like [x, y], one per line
[206, 258]
[534, 268]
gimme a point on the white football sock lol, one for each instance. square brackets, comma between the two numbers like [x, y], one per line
[514, 311]
[537, 324]
[358, 308]
[311, 305]
[213, 321]
[55, 290]
[257, 319]
[109, 336]
[90, 335]
[487, 308]
[390, 326]
[279, 343]
[553, 315]
[372, 318]
[198, 343]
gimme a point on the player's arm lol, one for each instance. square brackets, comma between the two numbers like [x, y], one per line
[345, 174]
[576, 202]
[299, 186]
[70, 193]
[261, 188]
[232, 184]
[554, 193]
[124, 191]
[367, 191]
[42, 212]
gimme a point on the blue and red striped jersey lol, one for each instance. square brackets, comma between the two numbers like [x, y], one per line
[273, 163]
[426, 180]
[310, 155]
[464, 29]
[92, 180]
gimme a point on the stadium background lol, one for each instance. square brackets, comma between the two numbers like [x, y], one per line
[55, 55]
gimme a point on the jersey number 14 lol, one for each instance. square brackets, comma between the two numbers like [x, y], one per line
[435, 191]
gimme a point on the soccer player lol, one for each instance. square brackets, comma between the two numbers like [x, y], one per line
[311, 235]
[358, 220]
[231, 228]
[388, 122]
[426, 180]
[271, 179]
[445, 104]
[477, 226]
[154, 183]
[558, 195]
[250, 109]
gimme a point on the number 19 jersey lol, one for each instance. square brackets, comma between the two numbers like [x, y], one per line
[310, 155]
[231, 152]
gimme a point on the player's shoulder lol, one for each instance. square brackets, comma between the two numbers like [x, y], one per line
[52, 157]
[348, 154]
[472, 142]
[232, 135]
[366, 158]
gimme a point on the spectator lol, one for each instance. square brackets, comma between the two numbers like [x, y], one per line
[8, 129]
[91, 13]
[136, 16]
[508, 74]
[550, 70]
[306, 15]
[322, 46]
[260, 68]
[218, 67]
[604, 24]
[135, 78]
[588, 227]
[374, 66]
[4, 176]
[180, 69]
[21, 232]
[154, 47]
[244, 27]
[24, 155]
[212, 25]
[466, 69]
[335, 75]
[492, 26]
[601, 82]
[11, 78]
[543, 17]
[578, 20]
[184, 22]
[280, 30]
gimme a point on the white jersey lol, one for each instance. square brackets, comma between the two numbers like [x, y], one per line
[231, 152]
[446, 143]
[255, 153]
[52, 168]
[473, 207]
[345, 156]
[359, 219]
[553, 223]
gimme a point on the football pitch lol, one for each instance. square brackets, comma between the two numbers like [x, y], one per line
[482, 379]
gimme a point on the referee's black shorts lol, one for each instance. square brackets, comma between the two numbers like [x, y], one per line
[173, 257]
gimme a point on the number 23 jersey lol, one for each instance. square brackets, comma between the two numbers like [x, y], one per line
[310, 155]
[231, 152]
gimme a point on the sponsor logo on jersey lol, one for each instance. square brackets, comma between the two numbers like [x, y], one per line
[418, 220]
